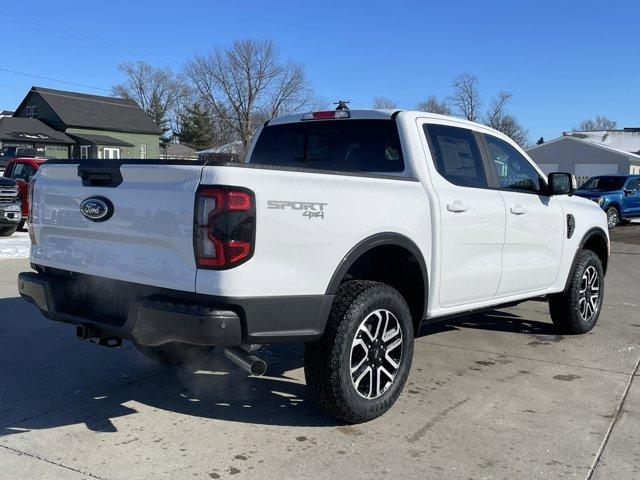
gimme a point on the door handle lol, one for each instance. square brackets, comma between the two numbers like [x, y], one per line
[518, 210]
[457, 206]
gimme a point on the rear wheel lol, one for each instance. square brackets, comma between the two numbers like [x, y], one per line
[613, 217]
[175, 353]
[7, 231]
[359, 367]
[576, 310]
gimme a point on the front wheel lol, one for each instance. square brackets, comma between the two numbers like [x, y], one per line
[576, 310]
[613, 217]
[359, 367]
[7, 231]
[175, 353]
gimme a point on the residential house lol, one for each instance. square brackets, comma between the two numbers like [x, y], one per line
[101, 127]
[229, 152]
[177, 151]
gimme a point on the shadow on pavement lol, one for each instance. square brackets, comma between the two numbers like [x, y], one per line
[214, 389]
[493, 320]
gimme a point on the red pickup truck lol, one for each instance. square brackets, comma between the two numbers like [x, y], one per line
[22, 170]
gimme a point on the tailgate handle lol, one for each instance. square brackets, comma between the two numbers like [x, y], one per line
[107, 176]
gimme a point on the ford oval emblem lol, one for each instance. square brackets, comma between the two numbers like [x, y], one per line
[97, 209]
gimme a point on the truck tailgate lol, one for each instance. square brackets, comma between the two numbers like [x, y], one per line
[148, 239]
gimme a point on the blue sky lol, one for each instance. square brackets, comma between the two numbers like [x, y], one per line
[564, 61]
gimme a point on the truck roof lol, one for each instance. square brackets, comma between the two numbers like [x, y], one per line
[372, 114]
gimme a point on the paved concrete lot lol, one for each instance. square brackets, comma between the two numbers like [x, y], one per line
[492, 396]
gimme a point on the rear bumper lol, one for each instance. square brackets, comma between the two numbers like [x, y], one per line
[154, 316]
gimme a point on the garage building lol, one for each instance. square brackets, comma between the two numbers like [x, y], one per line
[585, 157]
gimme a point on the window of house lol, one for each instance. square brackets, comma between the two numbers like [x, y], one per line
[515, 172]
[84, 151]
[31, 111]
[456, 155]
[111, 153]
[143, 151]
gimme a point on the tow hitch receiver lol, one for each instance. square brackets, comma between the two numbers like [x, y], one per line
[84, 332]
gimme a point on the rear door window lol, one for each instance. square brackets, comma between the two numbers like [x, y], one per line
[456, 155]
[340, 145]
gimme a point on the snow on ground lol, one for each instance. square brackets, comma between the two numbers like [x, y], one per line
[15, 246]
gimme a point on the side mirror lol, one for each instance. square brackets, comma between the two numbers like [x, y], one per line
[630, 191]
[562, 183]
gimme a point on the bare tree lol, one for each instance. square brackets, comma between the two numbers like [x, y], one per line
[496, 110]
[383, 103]
[247, 83]
[600, 123]
[158, 91]
[465, 100]
[433, 105]
[509, 125]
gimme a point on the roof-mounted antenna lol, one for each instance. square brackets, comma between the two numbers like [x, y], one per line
[342, 105]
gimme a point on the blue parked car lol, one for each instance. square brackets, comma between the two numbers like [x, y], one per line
[618, 195]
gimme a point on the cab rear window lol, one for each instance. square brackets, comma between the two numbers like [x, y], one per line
[340, 145]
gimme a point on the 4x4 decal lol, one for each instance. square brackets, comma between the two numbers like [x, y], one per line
[309, 209]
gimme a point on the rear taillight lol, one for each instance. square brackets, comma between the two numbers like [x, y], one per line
[224, 226]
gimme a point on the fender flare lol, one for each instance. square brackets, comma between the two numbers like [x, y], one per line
[378, 240]
[591, 233]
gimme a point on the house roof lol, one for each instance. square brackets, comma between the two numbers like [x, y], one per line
[6, 113]
[30, 130]
[178, 150]
[98, 112]
[631, 156]
[625, 140]
[100, 140]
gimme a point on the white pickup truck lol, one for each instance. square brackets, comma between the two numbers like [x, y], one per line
[344, 230]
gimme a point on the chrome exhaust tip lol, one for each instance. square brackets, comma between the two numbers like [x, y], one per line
[249, 363]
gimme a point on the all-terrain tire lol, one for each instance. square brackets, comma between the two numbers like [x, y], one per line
[175, 353]
[328, 362]
[7, 231]
[21, 225]
[568, 308]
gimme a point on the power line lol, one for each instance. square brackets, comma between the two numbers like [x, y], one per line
[53, 79]
[106, 46]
